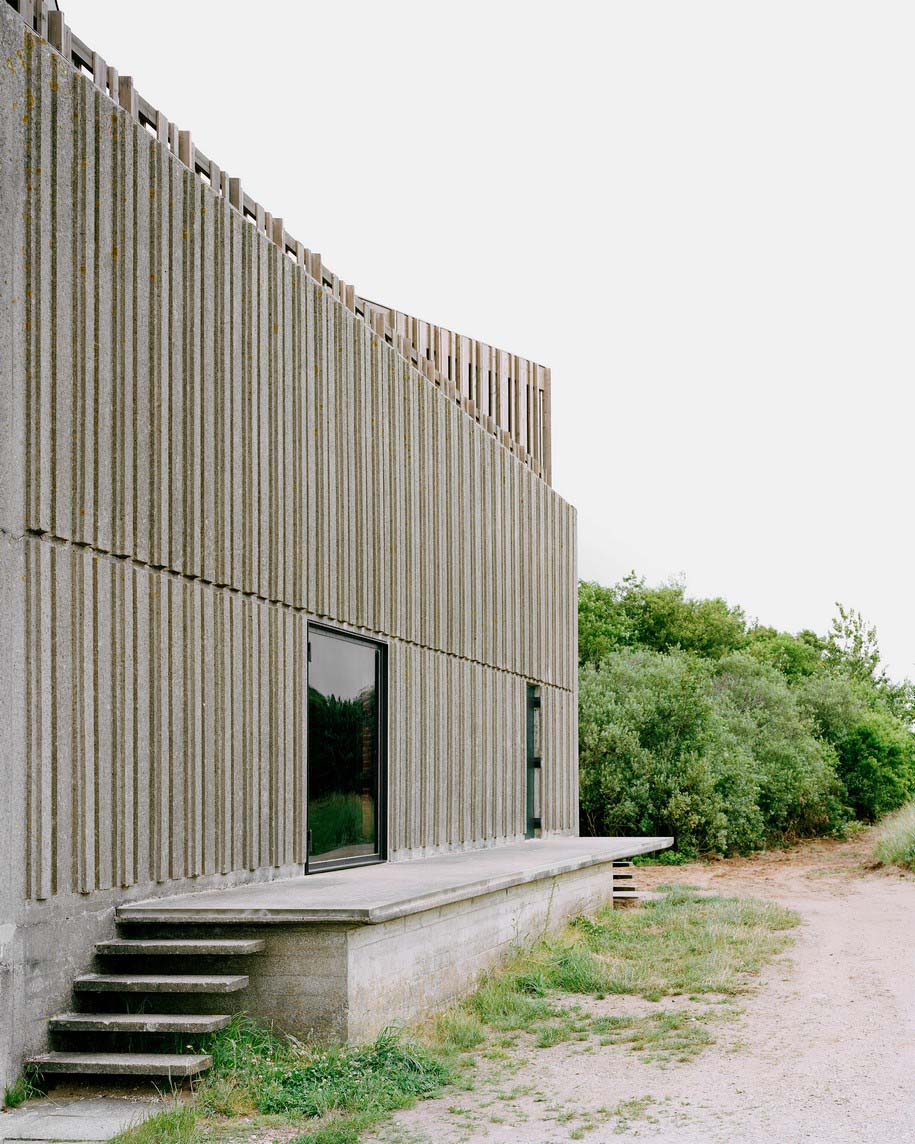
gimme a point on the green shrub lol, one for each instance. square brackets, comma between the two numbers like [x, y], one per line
[716, 753]
[795, 657]
[646, 743]
[875, 751]
[798, 794]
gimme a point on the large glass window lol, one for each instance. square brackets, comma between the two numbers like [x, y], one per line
[345, 749]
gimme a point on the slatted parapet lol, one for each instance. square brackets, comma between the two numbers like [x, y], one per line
[508, 395]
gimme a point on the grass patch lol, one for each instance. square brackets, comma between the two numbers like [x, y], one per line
[627, 1111]
[459, 1031]
[546, 1036]
[895, 839]
[665, 1036]
[344, 1130]
[375, 1078]
[343, 1089]
[511, 999]
[686, 943]
[177, 1125]
[699, 945]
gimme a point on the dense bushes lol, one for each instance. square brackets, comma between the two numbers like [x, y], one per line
[873, 746]
[728, 736]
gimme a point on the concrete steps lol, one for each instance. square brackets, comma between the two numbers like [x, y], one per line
[159, 983]
[177, 1065]
[624, 891]
[89, 1043]
[137, 1023]
[174, 947]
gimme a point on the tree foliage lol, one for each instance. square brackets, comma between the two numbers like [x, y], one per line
[729, 735]
[631, 614]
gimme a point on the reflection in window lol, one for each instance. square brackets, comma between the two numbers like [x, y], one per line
[343, 748]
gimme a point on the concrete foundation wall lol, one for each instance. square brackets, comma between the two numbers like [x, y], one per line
[200, 449]
[348, 982]
[409, 966]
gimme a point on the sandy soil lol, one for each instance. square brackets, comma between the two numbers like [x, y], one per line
[824, 1050]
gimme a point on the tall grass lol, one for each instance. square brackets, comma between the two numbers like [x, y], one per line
[895, 839]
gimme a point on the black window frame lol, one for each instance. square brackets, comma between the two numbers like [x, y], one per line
[381, 778]
[533, 705]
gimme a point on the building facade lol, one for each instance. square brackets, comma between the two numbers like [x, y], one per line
[282, 576]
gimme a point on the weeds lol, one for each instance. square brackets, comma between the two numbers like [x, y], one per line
[510, 1000]
[337, 1131]
[458, 1030]
[370, 1078]
[628, 1110]
[25, 1088]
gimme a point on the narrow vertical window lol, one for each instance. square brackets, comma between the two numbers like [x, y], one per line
[534, 762]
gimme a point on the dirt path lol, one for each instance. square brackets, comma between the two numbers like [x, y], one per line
[824, 1050]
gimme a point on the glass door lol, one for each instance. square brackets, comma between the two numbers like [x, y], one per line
[345, 749]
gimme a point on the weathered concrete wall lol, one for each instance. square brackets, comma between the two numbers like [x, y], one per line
[165, 728]
[190, 399]
[200, 449]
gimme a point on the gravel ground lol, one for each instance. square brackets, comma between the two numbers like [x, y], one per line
[824, 1049]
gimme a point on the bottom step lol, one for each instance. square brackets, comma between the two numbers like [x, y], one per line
[122, 1064]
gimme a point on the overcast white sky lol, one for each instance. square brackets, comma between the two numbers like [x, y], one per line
[700, 215]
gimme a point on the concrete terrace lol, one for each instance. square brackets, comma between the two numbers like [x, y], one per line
[391, 890]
